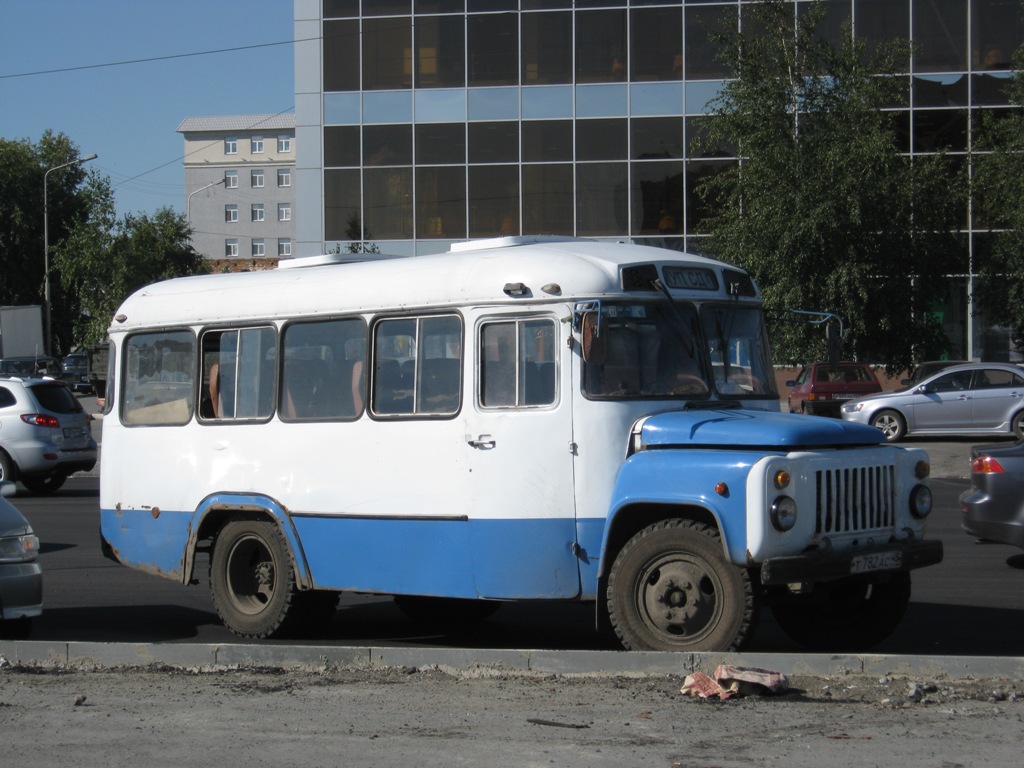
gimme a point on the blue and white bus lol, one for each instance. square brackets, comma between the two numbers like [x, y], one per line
[516, 419]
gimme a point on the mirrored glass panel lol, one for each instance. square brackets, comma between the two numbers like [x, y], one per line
[602, 195]
[602, 100]
[441, 105]
[656, 99]
[342, 109]
[387, 201]
[546, 57]
[657, 198]
[493, 200]
[602, 139]
[440, 52]
[548, 199]
[546, 141]
[600, 46]
[940, 35]
[493, 103]
[387, 107]
[441, 143]
[656, 51]
[441, 202]
[547, 101]
[341, 205]
[387, 53]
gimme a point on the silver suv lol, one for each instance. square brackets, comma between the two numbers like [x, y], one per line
[45, 435]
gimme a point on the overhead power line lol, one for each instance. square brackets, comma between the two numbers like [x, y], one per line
[152, 58]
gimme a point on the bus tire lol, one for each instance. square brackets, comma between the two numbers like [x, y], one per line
[252, 580]
[671, 589]
[847, 615]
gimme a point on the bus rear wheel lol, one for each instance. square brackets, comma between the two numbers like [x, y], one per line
[671, 589]
[252, 580]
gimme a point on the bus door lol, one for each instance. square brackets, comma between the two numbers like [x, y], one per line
[519, 443]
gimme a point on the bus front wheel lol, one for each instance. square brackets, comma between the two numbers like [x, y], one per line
[671, 589]
[252, 579]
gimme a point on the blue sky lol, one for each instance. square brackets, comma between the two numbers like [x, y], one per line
[128, 114]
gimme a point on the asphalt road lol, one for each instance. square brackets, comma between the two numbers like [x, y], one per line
[971, 604]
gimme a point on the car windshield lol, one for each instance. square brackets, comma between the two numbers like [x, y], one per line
[658, 350]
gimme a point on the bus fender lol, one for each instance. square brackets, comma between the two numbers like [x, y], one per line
[219, 505]
[708, 485]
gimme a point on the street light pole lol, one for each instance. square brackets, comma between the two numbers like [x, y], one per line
[46, 243]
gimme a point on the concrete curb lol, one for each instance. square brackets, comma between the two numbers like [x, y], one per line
[85, 656]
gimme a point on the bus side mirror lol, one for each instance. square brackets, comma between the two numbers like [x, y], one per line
[594, 341]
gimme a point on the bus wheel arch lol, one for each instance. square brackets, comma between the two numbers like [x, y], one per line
[671, 587]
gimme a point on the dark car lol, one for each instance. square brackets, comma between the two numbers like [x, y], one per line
[929, 368]
[30, 367]
[75, 372]
[993, 509]
[821, 388]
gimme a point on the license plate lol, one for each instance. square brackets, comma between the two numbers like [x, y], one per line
[72, 432]
[843, 397]
[876, 561]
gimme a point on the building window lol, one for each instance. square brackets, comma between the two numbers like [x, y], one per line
[230, 248]
[284, 247]
[231, 212]
[230, 146]
[258, 213]
[284, 143]
[284, 211]
[284, 177]
[231, 179]
[258, 248]
[257, 145]
[256, 179]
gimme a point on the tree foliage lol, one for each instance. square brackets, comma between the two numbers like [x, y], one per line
[823, 208]
[96, 260]
[23, 167]
[107, 264]
[998, 196]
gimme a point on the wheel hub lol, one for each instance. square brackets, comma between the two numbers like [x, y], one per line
[680, 598]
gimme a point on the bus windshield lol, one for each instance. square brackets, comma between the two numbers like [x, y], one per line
[657, 350]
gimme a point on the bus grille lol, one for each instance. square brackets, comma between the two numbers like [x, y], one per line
[855, 499]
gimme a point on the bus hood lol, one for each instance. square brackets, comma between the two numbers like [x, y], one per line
[742, 428]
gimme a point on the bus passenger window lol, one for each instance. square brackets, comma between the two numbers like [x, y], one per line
[158, 380]
[238, 374]
[417, 369]
[321, 376]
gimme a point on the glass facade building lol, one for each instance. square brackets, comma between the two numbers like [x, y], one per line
[423, 122]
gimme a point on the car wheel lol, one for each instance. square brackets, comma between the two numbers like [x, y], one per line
[671, 589]
[891, 423]
[6, 468]
[1018, 425]
[44, 485]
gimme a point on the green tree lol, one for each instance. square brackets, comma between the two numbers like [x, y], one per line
[23, 167]
[105, 264]
[822, 208]
[998, 195]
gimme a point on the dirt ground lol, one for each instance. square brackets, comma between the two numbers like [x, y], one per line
[430, 717]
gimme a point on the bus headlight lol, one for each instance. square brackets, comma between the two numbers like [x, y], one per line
[783, 514]
[921, 501]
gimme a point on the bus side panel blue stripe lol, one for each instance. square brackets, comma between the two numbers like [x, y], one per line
[525, 559]
[162, 539]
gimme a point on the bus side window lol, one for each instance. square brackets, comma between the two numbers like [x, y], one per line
[235, 383]
[158, 378]
[322, 370]
[517, 363]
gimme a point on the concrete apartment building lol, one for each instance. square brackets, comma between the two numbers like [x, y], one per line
[239, 185]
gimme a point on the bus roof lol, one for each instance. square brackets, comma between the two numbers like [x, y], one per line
[500, 271]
